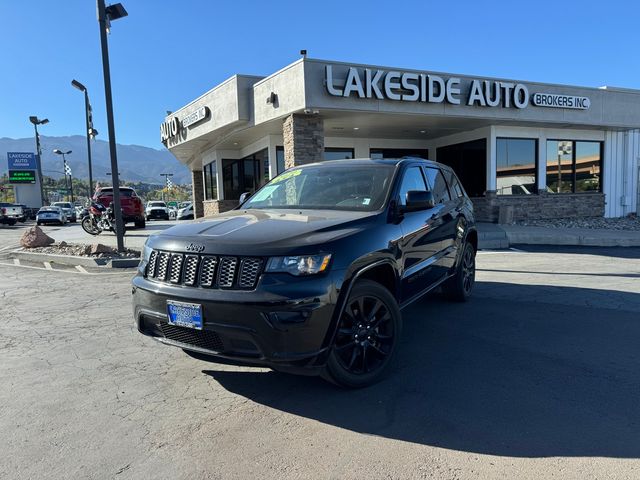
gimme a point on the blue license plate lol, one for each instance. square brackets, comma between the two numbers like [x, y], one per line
[182, 314]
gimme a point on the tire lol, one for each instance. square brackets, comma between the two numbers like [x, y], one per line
[38, 223]
[141, 224]
[459, 287]
[367, 338]
[12, 222]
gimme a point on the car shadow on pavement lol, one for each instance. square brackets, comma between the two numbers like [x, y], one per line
[513, 372]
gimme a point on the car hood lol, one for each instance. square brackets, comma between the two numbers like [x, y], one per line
[262, 232]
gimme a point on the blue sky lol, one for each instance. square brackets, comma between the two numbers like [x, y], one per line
[166, 53]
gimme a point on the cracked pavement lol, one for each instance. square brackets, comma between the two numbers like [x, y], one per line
[536, 377]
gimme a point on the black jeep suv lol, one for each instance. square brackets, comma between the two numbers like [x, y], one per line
[310, 273]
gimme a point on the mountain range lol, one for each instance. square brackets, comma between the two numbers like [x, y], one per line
[136, 163]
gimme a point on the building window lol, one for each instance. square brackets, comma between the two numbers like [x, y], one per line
[338, 153]
[210, 181]
[398, 152]
[279, 160]
[239, 176]
[516, 166]
[574, 167]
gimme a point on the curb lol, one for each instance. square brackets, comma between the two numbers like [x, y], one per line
[73, 260]
[571, 239]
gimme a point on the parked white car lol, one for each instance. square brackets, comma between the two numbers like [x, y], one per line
[186, 213]
[51, 214]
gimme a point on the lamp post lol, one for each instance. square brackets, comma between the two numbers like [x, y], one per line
[105, 16]
[91, 132]
[67, 170]
[36, 121]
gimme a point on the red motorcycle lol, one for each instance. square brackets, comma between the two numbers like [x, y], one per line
[100, 218]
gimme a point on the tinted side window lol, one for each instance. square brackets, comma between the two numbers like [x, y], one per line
[412, 180]
[454, 185]
[438, 185]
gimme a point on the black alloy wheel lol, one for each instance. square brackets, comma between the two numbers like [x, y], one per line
[468, 269]
[367, 336]
[460, 286]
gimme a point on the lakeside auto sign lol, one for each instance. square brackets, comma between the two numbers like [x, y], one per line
[21, 160]
[429, 88]
[22, 167]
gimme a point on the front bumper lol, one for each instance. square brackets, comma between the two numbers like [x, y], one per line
[285, 323]
[157, 214]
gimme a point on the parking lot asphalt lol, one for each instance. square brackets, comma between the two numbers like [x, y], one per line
[536, 377]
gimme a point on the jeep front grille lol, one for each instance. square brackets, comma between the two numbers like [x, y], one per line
[206, 271]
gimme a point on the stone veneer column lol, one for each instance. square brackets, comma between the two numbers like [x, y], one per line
[197, 192]
[303, 139]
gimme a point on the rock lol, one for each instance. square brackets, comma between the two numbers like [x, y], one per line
[35, 237]
[97, 248]
[62, 244]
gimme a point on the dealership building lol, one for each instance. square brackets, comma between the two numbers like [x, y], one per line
[522, 149]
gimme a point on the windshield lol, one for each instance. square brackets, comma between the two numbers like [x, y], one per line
[62, 205]
[334, 187]
[157, 204]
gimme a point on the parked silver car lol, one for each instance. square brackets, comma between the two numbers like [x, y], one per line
[51, 214]
[69, 210]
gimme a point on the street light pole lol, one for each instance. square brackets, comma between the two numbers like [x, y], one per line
[36, 121]
[91, 132]
[105, 16]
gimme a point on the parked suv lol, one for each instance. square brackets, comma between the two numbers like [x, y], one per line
[132, 208]
[156, 209]
[309, 275]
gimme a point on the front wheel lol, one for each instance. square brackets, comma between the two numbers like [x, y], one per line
[89, 226]
[460, 286]
[367, 338]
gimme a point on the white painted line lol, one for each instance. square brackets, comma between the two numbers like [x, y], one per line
[517, 250]
[81, 269]
[64, 271]
[47, 265]
[16, 261]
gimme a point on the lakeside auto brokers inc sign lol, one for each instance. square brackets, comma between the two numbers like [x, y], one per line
[422, 87]
[22, 167]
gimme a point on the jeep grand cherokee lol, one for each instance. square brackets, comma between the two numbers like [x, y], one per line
[309, 275]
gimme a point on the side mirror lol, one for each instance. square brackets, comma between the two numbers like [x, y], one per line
[244, 197]
[418, 200]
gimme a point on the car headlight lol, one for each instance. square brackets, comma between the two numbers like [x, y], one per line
[146, 252]
[299, 265]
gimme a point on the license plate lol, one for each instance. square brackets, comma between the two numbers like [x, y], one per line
[182, 314]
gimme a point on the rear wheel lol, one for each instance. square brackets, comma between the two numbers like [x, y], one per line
[367, 338]
[460, 286]
[141, 223]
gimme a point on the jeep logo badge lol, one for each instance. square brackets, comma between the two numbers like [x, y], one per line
[195, 247]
